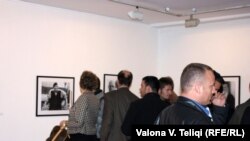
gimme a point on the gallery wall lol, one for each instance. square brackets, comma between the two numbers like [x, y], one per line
[225, 46]
[41, 40]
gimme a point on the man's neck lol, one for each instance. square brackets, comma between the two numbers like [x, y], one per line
[122, 86]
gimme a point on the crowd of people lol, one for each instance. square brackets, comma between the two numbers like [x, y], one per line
[96, 116]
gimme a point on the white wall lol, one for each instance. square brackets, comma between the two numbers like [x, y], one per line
[225, 46]
[41, 40]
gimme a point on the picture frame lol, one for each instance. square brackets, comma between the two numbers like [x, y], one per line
[232, 86]
[109, 82]
[54, 95]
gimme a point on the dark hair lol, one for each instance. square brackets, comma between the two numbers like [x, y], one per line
[98, 83]
[191, 73]
[166, 81]
[98, 88]
[125, 77]
[220, 79]
[88, 81]
[55, 84]
[153, 82]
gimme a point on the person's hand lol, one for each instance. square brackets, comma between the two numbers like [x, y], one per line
[219, 99]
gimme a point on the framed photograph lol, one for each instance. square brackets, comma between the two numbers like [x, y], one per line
[54, 95]
[109, 83]
[232, 88]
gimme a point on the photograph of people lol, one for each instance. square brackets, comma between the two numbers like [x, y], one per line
[57, 98]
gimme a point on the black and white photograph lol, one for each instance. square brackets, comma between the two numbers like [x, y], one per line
[109, 83]
[232, 88]
[55, 95]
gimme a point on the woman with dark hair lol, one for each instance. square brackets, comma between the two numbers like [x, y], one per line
[81, 123]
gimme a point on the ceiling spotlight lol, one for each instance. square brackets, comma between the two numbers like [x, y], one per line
[192, 22]
[136, 14]
[194, 10]
[167, 9]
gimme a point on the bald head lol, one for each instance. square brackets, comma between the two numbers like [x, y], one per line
[192, 73]
[125, 77]
[197, 83]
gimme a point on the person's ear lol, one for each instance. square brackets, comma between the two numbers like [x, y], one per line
[159, 91]
[198, 88]
[117, 84]
[148, 89]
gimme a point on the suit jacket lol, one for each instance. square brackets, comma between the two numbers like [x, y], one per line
[143, 111]
[185, 112]
[116, 104]
[241, 112]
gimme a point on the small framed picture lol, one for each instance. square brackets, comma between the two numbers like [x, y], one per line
[54, 95]
[232, 88]
[109, 83]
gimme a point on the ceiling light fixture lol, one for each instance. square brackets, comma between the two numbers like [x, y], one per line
[191, 22]
[136, 14]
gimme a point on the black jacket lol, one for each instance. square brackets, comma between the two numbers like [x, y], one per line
[185, 112]
[241, 114]
[143, 111]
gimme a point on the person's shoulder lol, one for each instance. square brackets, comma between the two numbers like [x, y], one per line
[129, 94]
[50, 91]
[100, 95]
[138, 101]
[166, 103]
[135, 97]
[81, 99]
[167, 109]
[243, 105]
[134, 104]
[176, 108]
[151, 97]
[61, 90]
[89, 97]
[124, 90]
[82, 96]
[117, 92]
[110, 94]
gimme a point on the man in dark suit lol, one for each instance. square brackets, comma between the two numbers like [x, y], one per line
[241, 114]
[197, 89]
[57, 98]
[116, 104]
[145, 110]
[223, 87]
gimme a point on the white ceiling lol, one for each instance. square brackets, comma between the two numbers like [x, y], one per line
[157, 15]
